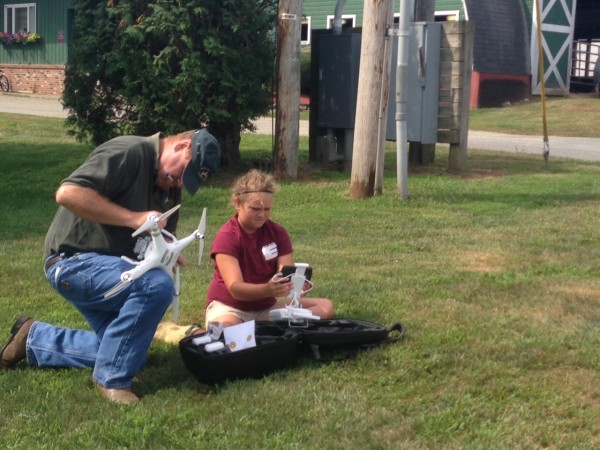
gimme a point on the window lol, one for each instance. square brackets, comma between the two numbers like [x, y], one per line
[305, 31]
[440, 16]
[586, 54]
[19, 18]
[444, 16]
[348, 21]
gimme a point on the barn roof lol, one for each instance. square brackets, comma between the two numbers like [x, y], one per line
[501, 42]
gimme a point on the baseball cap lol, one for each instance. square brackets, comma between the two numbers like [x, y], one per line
[206, 159]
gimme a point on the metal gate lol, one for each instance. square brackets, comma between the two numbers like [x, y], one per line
[586, 55]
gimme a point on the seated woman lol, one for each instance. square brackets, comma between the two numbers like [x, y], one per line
[248, 251]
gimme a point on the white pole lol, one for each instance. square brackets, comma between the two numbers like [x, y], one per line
[466, 11]
[401, 131]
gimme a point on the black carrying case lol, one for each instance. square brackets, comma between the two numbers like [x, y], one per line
[279, 344]
[344, 338]
[276, 349]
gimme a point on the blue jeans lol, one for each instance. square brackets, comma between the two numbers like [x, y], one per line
[124, 323]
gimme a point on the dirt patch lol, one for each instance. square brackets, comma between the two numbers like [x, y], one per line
[584, 292]
[469, 175]
[481, 174]
[473, 261]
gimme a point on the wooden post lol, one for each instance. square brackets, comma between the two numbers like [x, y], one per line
[383, 102]
[287, 120]
[366, 124]
[461, 68]
[456, 57]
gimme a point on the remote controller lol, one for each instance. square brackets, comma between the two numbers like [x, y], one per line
[297, 286]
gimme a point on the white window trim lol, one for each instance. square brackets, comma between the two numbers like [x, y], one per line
[454, 13]
[31, 22]
[344, 16]
[308, 21]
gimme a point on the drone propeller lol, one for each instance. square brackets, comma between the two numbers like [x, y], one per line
[153, 220]
[201, 230]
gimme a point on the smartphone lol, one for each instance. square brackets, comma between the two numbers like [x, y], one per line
[290, 270]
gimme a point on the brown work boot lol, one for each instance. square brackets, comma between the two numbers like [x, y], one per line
[122, 396]
[14, 350]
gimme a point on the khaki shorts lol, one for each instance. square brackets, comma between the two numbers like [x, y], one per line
[217, 309]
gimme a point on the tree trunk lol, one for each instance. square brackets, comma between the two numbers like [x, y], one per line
[229, 140]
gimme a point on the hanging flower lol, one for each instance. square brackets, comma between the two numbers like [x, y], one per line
[19, 38]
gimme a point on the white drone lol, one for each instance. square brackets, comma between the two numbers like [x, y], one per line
[161, 254]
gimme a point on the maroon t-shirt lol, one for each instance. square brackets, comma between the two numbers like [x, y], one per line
[257, 254]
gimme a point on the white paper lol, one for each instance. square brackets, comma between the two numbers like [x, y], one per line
[239, 337]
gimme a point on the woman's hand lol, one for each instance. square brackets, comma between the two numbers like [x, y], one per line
[280, 286]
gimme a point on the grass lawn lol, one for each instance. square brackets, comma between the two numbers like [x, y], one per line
[575, 116]
[495, 274]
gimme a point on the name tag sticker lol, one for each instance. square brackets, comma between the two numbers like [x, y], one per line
[270, 251]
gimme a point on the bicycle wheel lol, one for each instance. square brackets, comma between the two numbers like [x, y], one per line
[4, 84]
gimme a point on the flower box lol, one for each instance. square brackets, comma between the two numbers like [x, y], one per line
[19, 38]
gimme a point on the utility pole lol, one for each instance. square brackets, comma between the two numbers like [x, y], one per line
[401, 95]
[385, 93]
[370, 76]
[287, 119]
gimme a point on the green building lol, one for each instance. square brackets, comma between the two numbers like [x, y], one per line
[38, 66]
[505, 62]
[505, 53]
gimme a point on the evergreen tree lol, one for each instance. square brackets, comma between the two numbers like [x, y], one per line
[141, 66]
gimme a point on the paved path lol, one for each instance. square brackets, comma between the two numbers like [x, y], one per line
[33, 105]
[577, 148]
[587, 149]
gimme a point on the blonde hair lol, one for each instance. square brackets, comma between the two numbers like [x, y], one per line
[253, 181]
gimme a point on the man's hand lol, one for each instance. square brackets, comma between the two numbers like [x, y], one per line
[90, 205]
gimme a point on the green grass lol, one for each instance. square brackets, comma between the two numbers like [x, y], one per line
[565, 116]
[494, 273]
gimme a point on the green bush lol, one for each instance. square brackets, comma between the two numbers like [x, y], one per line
[148, 65]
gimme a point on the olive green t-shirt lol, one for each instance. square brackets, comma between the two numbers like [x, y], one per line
[123, 170]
